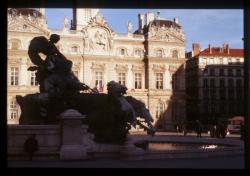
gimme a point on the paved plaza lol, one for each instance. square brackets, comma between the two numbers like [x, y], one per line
[222, 162]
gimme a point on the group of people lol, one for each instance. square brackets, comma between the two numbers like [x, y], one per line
[218, 130]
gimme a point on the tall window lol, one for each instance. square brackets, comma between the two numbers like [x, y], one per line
[230, 83]
[122, 78]
[230, 72]
[221, 72]
[33, 80]
[14, 76]
[15, 44]
[230, 94]
[222, 108]
[13, 110]
[212, 72]
[122, 52]
[239, 83]
[213, 93]
[238, 72]
[222, 83]
[205, 93]
[98, 80]
[212, 82]
[221, 60]
[213, 108]
[205, 60]
[211, 60]
[222, 94]
[138, 52]
[205, 83]
[74, 49]
[175, 54]
[159, 53]
[159, 110]
[138, 81]
[159, 80]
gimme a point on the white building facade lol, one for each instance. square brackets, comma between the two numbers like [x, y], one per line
[149, 61]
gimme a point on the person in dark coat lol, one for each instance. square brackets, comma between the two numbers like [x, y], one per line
[198, 128]
[31, 146]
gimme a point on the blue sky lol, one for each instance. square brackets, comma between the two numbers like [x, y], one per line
[204, 26]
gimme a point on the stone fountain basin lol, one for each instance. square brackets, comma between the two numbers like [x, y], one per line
[160, 147]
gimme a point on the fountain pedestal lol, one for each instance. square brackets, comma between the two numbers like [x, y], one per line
[72, 147]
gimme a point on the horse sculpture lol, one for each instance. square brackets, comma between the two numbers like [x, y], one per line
[109, 116]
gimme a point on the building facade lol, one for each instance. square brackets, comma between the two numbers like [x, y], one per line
[215, 83]
[149, 61]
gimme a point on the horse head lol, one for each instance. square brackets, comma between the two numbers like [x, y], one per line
[116, 89]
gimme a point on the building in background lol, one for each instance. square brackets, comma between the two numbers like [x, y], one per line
[214, 83]
[149, 61]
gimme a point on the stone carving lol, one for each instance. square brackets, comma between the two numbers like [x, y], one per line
[109, 116]
[137, 68]
[98, 40]
[96, 66]
[122, 68]
[157, 67]
[166, 33]
[65, 23]
[14, 20]
[98, 19]
[129, 26]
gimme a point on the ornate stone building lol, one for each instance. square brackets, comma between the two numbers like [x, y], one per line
[215, 83]
[149, 61]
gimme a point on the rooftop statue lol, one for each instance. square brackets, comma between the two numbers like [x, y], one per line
[109, 116]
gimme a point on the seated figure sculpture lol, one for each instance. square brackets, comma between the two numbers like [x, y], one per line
[109, 116]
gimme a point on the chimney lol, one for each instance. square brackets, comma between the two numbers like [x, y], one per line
[210, 49]
[227, 48]
[140, 22]
[196, 49]
[176, 20]
[149, 17]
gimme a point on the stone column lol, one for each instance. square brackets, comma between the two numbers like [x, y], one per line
[72, 147]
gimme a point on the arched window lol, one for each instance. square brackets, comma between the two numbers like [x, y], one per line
[159, 53]
[74, 49]
[138, 53]
[13, 110]
[15, 44]
[175, 54]
[159, 110]
[25, 26]
[122, 52]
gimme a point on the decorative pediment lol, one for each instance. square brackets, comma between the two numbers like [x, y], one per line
[98, 20]
[160, 68]
[24, 24]
[97, 39]
[121, 68]
[136, 68]
[96, 66]
[166, 34]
